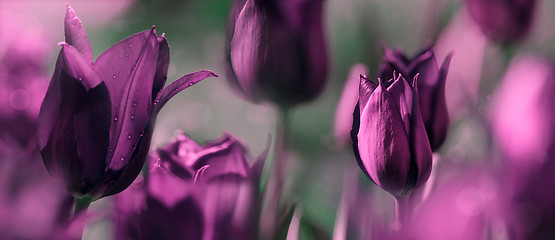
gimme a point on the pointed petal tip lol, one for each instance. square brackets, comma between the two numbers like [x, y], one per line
[63, 43]
[363, 77]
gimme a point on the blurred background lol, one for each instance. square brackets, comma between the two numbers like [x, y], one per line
[355, 31]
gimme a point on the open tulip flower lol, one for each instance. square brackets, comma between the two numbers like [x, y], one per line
[431, 87]
[389, 137]
[195, 192]
[97, 118]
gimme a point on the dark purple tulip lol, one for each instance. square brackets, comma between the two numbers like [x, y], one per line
[96, 120]
[523, 124]
[503, 20]
[431, 87]
[389, 138]
[196, 192]
[276, 50]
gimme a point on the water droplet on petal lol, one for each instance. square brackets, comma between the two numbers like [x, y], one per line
[131, 44]
[142, 133]
[122, 159]
[114, 76]
[115, 118]
[126, 54]
[80, 78]
[134, 103]
[133, 68]
[191, 84]
[132, 116]
[129, 137]
[111, 150]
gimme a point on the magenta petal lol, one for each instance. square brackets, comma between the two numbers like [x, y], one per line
[382, 142]
[439, 122]
[179, 85]
[79, 119]
[161, 67]
[225, 156]
[421, 153]
[75, 34]
[401, 92]
[366, 89]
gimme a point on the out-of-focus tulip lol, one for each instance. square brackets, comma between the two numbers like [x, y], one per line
[523, 122]
[389, 137]
[461, 207]
[97, 119]
[276, 50]
[503, 20]
[431, 87]
[195, 192]
[349, 98]
[22, 85]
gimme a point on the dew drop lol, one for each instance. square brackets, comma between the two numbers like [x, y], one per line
[122, 159]
[191, 84]
[80, 78]
[134, 146]
[131, 44]
[114, 76]
[129, 137]
[133, 68]
[126, 54]
[134, 103]
[111, 150]
[142, 133]
[115, 118]
[132, 116]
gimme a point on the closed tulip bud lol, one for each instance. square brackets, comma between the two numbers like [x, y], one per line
[97, 118]
[503, 20]
[276, 50]
[431, 88]
[195, 192]
[389, 138]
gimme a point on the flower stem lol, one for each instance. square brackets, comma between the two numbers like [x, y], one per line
[402, 212]
[81, 206]
[275, 182]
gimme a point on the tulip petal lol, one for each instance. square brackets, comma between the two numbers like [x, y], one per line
[179, 85]
[71, 63]
[225, 156]
[128, 69]
[421, 153]
[365, 90]
[74, 124]
[75, 34]
[161, 67]
[440, 115]
[382, 142]
[401, 92]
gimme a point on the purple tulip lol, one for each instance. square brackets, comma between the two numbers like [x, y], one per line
[431, 87]
[196, 192]
[523, 124]
[97, 118]
[503, 20]
[276, 50]
[389, 138]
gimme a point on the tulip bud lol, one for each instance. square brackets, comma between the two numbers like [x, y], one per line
[522, 118]
[213, 181]
[276, 50]
[431, 88]
[389, 138]
[97, 119]
[503, 20]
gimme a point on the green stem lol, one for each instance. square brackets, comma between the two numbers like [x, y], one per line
[81, 207]
[275, 182]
